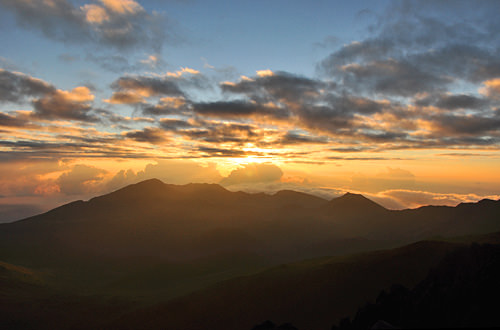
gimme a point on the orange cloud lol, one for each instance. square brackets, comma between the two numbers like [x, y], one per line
[491, 88]
[265, 73]
[95, 14]
[122, 6]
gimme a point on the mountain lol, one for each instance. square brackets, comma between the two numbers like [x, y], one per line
[198, 256]
[152, 226]
[354, 203]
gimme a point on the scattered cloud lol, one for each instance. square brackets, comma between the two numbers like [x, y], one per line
[121, 24]
[136, 89]
[491, 88]
[81, 179]
[253, 173]
[59, 104]
[17, 87]
[169, 171]
[148, 135]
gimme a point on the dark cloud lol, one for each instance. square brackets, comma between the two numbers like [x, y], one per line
[150, 85]
[291, 138]
[253, 173]
[392, 77]
[460, 101]
[16, 87]
[119, 24]
[73, 105]
[237, 108]
[420, 46]
[469, 125]
[225, 133]
[11, 121]
[48, 101]
[167, 106]
[276, 86]
[135, 89]
[149, 134]
[170, 124]
[350, 149]
[326, 119]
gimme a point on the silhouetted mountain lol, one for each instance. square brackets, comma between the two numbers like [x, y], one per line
[152, 225]
[354, 203]
[202, 249]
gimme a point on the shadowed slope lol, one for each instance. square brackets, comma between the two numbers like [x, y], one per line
[460, 292]
[310, 295]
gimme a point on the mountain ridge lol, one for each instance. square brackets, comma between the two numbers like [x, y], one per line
[185, 222]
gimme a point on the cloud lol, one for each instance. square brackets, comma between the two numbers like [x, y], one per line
[17, 87]
[391, 178]
[293, 138]
[168, 171]
[491, 88]
[466, 124]
[119, 63]
[59, 104]
[237, 108]
[222, 152]
[135, 89]
[413, 199]
[421, 46]
[220, 132]
[167, 105]
[48, 101]
[122, 24]
[149, 135]
[276, 86]
[81, 179]
[392, 77]
[12, 121]
[253, 173]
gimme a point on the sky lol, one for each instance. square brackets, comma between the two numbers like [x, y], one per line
[396, 100]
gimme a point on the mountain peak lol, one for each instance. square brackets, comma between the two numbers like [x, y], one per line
[150, 183]
[354, 202]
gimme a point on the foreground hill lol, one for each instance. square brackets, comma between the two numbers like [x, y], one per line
[461, 291]
[311, 295]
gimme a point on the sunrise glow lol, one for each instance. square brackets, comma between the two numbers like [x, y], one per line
[101, 94]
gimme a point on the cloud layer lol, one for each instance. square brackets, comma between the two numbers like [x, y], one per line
[419, 90]
[121, 24]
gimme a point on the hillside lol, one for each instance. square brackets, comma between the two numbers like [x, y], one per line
[459, 292]
[310, 295]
